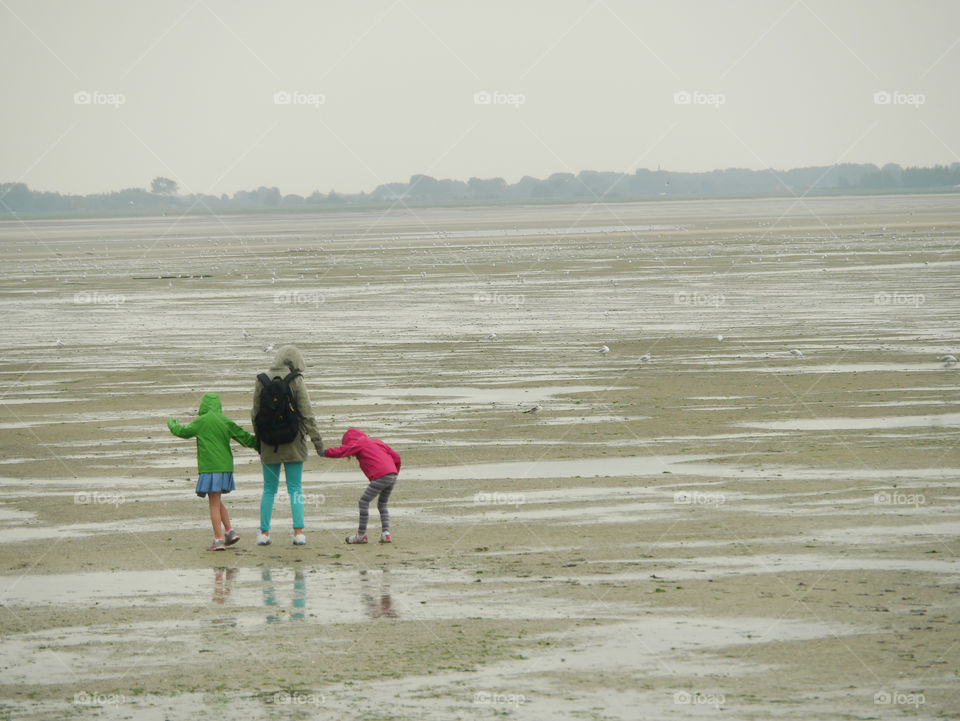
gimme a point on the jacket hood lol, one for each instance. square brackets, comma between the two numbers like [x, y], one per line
[353, 435]
[288, 359]
[210, 403]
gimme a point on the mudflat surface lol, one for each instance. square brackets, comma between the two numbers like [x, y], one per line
[694, 522]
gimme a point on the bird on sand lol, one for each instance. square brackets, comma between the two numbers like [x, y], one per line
[645, 357]
[947, 359]
[604, 349]
[534, 409]
[796, 353]
[268, 348]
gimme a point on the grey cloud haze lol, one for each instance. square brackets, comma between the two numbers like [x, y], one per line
[311, 96]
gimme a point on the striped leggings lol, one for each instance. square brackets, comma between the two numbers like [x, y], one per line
[383, 487]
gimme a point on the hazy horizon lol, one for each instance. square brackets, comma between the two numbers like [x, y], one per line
[222, 96]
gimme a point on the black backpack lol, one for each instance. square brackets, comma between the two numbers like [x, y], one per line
[278, 420]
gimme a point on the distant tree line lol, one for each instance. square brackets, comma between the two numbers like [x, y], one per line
[643, 184]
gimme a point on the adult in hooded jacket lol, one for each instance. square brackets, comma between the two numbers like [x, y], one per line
[289, 456]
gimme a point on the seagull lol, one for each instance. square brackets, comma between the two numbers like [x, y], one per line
[796, 353]
[268, 348]
[244, 331]
[534, 409]
[645, 357]
[492, 336]
[604, 349]
[719, 337]
[942, 359]
[60, 344]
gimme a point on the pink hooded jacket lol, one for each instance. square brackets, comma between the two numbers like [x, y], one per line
[376, 457]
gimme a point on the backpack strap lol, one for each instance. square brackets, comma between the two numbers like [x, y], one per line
[263, 378]
[291, 376]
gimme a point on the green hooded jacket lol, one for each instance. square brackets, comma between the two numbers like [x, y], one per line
[213, 432]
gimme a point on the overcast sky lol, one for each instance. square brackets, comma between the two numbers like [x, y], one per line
[224, 95]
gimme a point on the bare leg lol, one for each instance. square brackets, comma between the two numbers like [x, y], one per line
[224, 516]
[214, 500]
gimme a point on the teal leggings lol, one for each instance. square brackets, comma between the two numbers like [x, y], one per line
[271, 482]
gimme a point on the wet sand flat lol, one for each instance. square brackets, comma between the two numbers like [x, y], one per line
[675, 459]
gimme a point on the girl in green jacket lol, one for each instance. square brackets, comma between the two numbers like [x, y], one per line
[213, 432]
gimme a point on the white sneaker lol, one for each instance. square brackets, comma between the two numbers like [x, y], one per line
[263, 539]
[299, 539]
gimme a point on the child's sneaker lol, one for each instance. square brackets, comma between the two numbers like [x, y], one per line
[299, 539]
[231, 537]
[385, 537]
[357, 538]
[217, 545]
[263, 539]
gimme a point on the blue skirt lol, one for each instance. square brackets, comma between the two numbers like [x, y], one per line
[214, 483]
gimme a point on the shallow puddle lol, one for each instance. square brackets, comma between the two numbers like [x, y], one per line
[941, 420]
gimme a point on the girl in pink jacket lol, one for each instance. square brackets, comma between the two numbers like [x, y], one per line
[380, 464]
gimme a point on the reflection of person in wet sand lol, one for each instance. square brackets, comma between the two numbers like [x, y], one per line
[223, 583]
[299, 595]
[377, 609]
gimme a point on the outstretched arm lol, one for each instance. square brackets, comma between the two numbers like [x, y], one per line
[341, 451]
[241, 436]
[182, 431]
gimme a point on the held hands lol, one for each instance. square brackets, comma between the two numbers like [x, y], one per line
[172, 423]
[318, 445]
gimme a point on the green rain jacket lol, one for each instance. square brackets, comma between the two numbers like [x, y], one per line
[213, 432]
